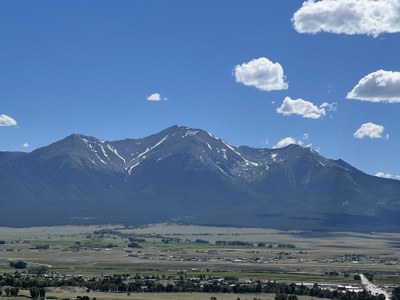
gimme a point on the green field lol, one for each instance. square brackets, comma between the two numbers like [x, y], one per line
[169, 249]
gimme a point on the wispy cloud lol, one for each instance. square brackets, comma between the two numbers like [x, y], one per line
[262, 74]
[6, 121]
[379, 86]
[368, 17]
[371, 130]
[156, 97]
[304, 108]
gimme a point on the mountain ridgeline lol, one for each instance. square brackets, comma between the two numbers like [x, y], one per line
[190, 176]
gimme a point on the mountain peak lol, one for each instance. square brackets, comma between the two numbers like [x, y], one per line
[182, 171]
[301, 148]
[180, 128]
[79, 136]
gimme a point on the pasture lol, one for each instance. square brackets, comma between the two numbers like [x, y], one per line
[166, 249]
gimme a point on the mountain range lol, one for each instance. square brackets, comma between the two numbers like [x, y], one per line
[190, 176]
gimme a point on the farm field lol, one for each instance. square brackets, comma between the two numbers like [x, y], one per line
[168, 250]
[165, 249]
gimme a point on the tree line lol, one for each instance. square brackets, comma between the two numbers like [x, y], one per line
[123, 283]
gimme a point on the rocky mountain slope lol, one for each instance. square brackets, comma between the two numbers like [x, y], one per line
[190, 176]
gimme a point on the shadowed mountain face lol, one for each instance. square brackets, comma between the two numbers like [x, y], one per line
[192, 177]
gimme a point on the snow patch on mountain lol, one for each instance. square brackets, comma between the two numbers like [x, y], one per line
[190, 132]
[248, 162]
[132, 167]
[153, 147]
[112, 149]
[142, 156]
[100, 158]
[224, 154]
[104, 151]
[219, 168]
[213, 136]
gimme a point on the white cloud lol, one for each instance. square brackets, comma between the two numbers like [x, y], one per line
[379, 86]
[369, 17]
[262, 74]
[25, 145]
[7, 121]
[156, 97]
[304, 108]
[387, 175]
[285, 142]
[290, 140]
[329, 106]
[370, 130]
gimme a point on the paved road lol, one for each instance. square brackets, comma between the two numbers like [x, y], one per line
[369, 287]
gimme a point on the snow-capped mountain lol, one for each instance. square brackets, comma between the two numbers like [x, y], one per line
[188, 175]
[241, 163]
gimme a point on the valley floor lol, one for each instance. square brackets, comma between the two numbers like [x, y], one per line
[170, 251]
[159, 296]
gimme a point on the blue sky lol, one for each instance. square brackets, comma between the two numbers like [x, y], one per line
[252, 72]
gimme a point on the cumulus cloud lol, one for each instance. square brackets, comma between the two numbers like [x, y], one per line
[369, 17]
[370, 130]
[379, 86]
[262, 74]
[156, 97]
[387, 175]
[290, 140]
[25, 145]
[304, 108]
[285, 142]
[7, 121]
